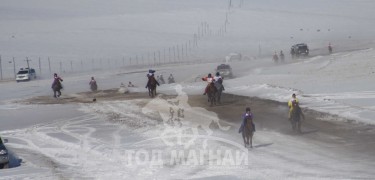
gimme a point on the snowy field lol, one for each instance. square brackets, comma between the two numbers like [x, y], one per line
[118, 139]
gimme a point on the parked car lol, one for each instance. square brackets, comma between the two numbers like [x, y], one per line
[299, 49]
[4, 157]
[25, 74]
[225, 70]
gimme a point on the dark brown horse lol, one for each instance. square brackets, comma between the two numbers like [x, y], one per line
[151, 85]
[248, 132]
[211, 93]
[296, 115]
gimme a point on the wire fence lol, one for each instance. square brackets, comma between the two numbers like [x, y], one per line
[178, 53]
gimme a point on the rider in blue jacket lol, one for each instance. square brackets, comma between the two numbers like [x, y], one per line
[246, 115]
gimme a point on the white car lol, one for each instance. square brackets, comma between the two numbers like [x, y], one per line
[25, 74]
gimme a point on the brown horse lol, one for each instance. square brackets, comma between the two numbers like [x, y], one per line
[296, 117]
[211, 93]
[248, 132]
[151, 85]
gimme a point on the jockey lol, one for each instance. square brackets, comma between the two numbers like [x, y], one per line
[290, 104]
[93, 84]
[151, 77]
[56, 82]
[219, 79]
[150, 72]
[209, 80]
[246, 115]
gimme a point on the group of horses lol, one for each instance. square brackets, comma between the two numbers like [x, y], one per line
[214, 92]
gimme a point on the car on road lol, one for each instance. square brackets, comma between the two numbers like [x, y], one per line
[299, 49]
[4, 156]
[225, 70]
[25, 74]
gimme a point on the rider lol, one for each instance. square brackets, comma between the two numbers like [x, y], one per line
[275, 57]
[93, 84]
[56, 82]
[290, 104]
[209, 80]
[150, 72]
[170, 79]
[219, 79]
[246, 115]
[282, 56]
[150, 77]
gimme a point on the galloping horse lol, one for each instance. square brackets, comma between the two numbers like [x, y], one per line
[248, 132]
[151, 85]
[211, 93]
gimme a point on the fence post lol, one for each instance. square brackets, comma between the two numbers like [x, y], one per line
[40, 67]
[60, 67]
[49, 65]
[1, 70]
[14, 68]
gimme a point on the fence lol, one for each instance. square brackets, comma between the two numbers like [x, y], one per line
[178, 53]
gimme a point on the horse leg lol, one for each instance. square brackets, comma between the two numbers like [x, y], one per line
[244, 139]
[251, 140]
[299, 127]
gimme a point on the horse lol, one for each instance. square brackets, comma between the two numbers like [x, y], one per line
[151, 85]
[248, 132]
[219, 87]
[93, 86]
[296, 118]
[211, 93]
[56, 87]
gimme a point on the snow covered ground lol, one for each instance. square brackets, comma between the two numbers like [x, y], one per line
[74, 141]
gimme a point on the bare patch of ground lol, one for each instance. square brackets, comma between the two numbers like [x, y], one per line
[345, 136]
[85, 97]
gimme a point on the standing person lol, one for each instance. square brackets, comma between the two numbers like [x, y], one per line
[171, 79]
[246, 115]
[329, 48]
[282, 56]
[290, 104]
[93, 85]
[56, 85]
[209, 80]
[275, 57]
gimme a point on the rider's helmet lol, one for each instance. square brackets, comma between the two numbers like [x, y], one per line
[247, 109]
[217, 74]
[55, 74]
[209, 75]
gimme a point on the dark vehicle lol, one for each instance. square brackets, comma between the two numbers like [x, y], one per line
[299, 49]
[4, 157]
[225, 70]
[25, 74]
